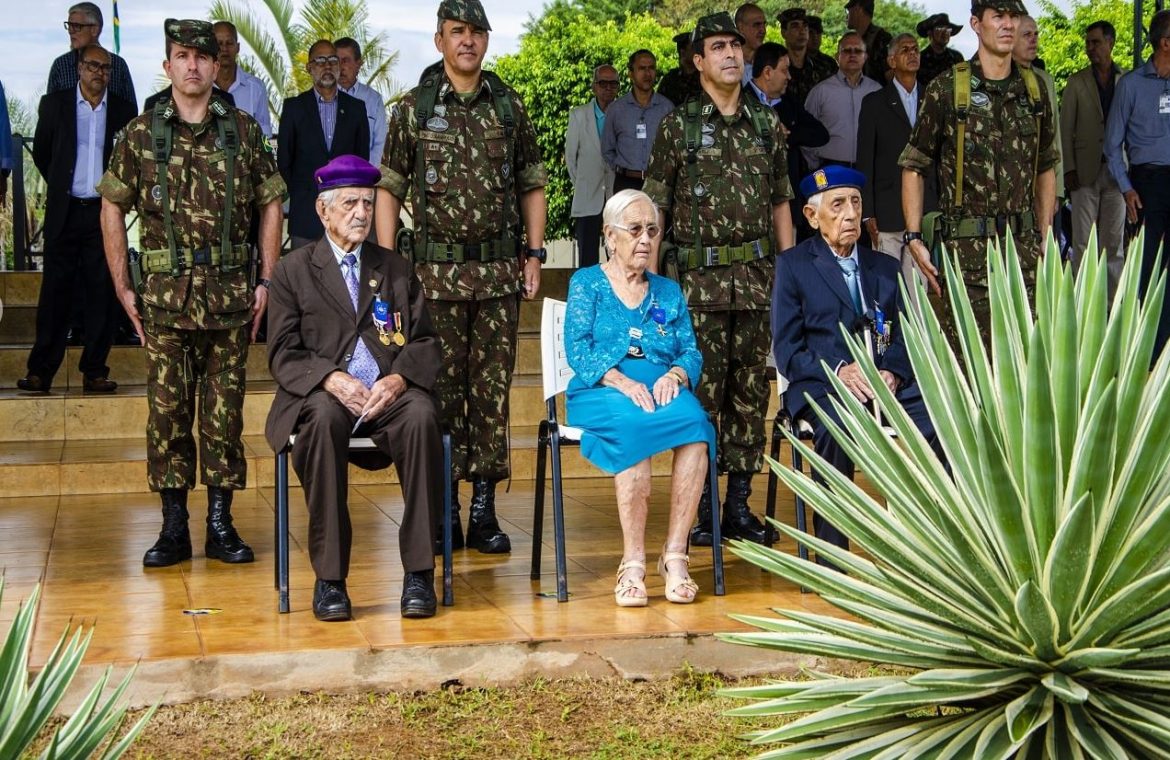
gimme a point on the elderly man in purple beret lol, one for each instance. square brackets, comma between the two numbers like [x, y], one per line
[352, 349]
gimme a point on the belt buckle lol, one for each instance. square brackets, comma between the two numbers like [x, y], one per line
[473, 252]
[711, 254]
[758, 249]
[201, 256]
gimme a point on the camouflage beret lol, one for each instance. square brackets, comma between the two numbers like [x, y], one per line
[716, 23]
[192, 33]
[789, 15]
[1012, 6]
[467, 11]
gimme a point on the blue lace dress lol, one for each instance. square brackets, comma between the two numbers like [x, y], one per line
[643, 343]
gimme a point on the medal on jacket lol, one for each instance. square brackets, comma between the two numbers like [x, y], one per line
[382, 320]
[399, 338]
[658, 315]
[881, 330]
[437, 124]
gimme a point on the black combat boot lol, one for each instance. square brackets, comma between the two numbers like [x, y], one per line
[223, 542]
[738, 520]
[456, 524]
[701, 533]
[483, 530]
[174, 542]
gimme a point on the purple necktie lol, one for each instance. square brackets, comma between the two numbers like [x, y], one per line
[362, 366]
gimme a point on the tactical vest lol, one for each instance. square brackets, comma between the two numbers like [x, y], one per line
[162, 134]
[693, 140]
[424, 111]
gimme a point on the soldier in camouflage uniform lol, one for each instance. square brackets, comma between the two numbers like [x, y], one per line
[1008, 178]
[806, 67]
[730, 218]
[937, 57]
[196, 298]
[679, 84]
[472, 167]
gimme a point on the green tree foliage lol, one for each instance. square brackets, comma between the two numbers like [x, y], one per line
[553, 70]
[1062, 35]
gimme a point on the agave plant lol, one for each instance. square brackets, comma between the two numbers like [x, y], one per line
[25, 708]
[1021, 599]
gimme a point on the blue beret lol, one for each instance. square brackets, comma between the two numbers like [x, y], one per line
[347, 171]
[830, 177]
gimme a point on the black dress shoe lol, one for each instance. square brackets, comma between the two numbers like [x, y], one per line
[99, 385]
[418, 595]
[330, 602]
[32, 384]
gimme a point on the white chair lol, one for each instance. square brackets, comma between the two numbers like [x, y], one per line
[556, 375]
[355, 444]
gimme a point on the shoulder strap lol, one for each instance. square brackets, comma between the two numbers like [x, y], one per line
[225, 122]
[759, 116]
[962, 105]
[502, 103]
[161, 134]
[693, 134]
[424, 109]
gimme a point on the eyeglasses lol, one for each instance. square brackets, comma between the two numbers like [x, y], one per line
[324, 60]
[93, 67]
[73, 26]
[636, 230]
[607, 82]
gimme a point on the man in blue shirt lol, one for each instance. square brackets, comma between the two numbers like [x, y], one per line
[1140, 118]
[631, 123]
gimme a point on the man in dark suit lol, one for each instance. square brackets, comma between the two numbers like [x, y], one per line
[823, 283]
[71, 148]
[317, 126]
[353, 352]
[883, 129]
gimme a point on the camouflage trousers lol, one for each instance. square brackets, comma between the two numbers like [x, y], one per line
[181, 363]
[479, 355]
[734, 388]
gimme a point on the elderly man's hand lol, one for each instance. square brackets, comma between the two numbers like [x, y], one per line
[384, 393]
[890, 379]
[855, 381]
[348, 390]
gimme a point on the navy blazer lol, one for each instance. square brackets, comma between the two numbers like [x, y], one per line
[810, 302]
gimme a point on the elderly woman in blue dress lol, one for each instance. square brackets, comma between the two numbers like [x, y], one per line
[629, 340]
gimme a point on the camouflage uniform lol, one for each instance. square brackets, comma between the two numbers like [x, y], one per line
[932, 63]
[677, 86]
[817, 68]
[729, 304]
[1006, 148]
[196, 323]
[877, 47]
[474, 305]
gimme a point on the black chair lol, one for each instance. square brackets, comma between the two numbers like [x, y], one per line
[552, 435]
[355, 444]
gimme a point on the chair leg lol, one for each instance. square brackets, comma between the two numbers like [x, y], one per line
[801, 524]
[282, 531]
[773, 483]
[559, 518]
[448, 592]
[538, 499]
[716, 534]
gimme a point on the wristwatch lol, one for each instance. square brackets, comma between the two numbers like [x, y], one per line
[540, 254]
[908, 236]
[264, 282]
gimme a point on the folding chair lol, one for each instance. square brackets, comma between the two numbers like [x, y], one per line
[355, 444]
[804, 432]
[552, 435]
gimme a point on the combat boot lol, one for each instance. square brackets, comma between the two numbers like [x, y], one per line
[701, 533]
[223, 542]
[456, 524]
[174, 542]
[738, 520]
[483, 530]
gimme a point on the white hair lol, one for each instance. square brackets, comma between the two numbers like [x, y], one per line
[622, 200]
[329, 196]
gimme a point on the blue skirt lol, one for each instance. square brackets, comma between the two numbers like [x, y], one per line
[620, 434]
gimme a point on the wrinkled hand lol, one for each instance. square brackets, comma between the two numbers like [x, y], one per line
[531, 271]
[665, 390]
[855, 381]
[890, 379]
[259, 304]
[129, 300]
[348, 390]
[1133, 204]
[1071, 181]
[385, 392]
[639, 394]
[922, 257]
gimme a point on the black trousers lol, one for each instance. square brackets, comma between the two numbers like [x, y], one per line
[77, 252]
[1152, 184]
[407, 434]
[622, 182]
[587, 230]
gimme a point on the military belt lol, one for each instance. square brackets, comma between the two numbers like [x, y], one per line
[153, 262]
[722, 255]
[458, 253]
[956, 228]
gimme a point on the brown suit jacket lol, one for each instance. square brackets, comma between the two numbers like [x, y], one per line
[1082, 126]
[312, 328]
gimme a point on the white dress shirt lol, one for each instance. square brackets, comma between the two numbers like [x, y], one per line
[376, 113]
[91, 138]
[252, 98]
[909, 101]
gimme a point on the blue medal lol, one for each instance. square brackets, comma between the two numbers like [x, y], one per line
[382, 320]
[658, 314]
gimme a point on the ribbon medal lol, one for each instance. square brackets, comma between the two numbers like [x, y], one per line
[881, 330]
[399, 338]
[382, 320]
[658, 315]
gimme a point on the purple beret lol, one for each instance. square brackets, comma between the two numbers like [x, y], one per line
[347, 171]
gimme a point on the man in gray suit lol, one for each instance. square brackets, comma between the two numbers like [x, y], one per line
[591, 176]
[1096, 198]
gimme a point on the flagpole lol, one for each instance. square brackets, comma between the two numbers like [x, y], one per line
[117, 30]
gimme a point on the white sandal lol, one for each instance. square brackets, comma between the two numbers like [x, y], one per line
[630, 592]
[677, 583]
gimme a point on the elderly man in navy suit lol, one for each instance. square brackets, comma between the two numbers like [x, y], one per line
[826, 282]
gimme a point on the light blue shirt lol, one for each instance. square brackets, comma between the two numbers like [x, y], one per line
[599, 117]
[327, 110]
[1139, 118]
[340, 254]
[376, 113]
[763, 96]
[91, 137]
[909, 101]
[252, 98]
[837, 104]
[630, 130]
